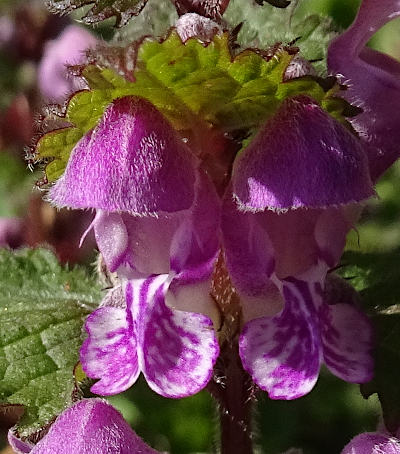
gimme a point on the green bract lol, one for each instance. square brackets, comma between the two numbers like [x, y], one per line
[189, 83]
[42, 310]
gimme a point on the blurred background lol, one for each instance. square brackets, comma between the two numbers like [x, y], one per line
[32, 74]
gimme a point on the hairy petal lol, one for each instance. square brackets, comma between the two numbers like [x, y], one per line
[196, 243]
[372, 443]
[181, 241]
[132, 162]
[283, 353]
[178, 348]
[110, 351]
[347, 342]
[166, 330]
[302, 157]
[91, 426]
[112, 239]
[373, 81]
[249, 257]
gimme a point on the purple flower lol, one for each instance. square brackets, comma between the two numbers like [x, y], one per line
[155, 226]
[281, 222]
[373, 81]
[89, 426]
[279, 248]
[158, 226]
[68, 49]
[373, 443]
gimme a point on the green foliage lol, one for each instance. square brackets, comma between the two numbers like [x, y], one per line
[377, 278]
[193, 85]
[387, 373]
[264, 26]
[42, 310]
[123, 10]
[156, 19]
[378, 230]
[15, 185]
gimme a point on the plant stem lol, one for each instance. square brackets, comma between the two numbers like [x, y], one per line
[234, 394]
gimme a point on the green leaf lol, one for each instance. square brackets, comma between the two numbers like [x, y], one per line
[193, 85]
[387, 373]
[123, 10]
[264, 26]
[376, 277]
[155, 20]
[42, 310]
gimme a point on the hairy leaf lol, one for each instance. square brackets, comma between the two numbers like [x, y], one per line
[123, 10]
[377, 278]
[191, 84]
[264, 26]
[155, 20]
[42, 309]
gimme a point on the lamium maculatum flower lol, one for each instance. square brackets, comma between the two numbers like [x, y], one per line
[67, 49]
[155, 226]
[373, 82]
[373, 443]
[296, 221]
[280, 218]
[90, 426]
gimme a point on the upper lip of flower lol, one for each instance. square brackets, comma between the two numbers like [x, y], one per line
[373, 83]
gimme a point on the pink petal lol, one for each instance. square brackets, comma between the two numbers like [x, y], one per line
[372, 443]
[112, 239]
[18, 446]
[133, 162]
[302, 157]
[347, 342]
[110, 351]
[283, 353]
[67, 49]
[91, 426]
[178, 348]
[166, 330]
[373, 81]
[154, 245]
[331, 229]
[249, 257]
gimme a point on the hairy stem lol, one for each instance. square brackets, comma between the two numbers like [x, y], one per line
[233, 390]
